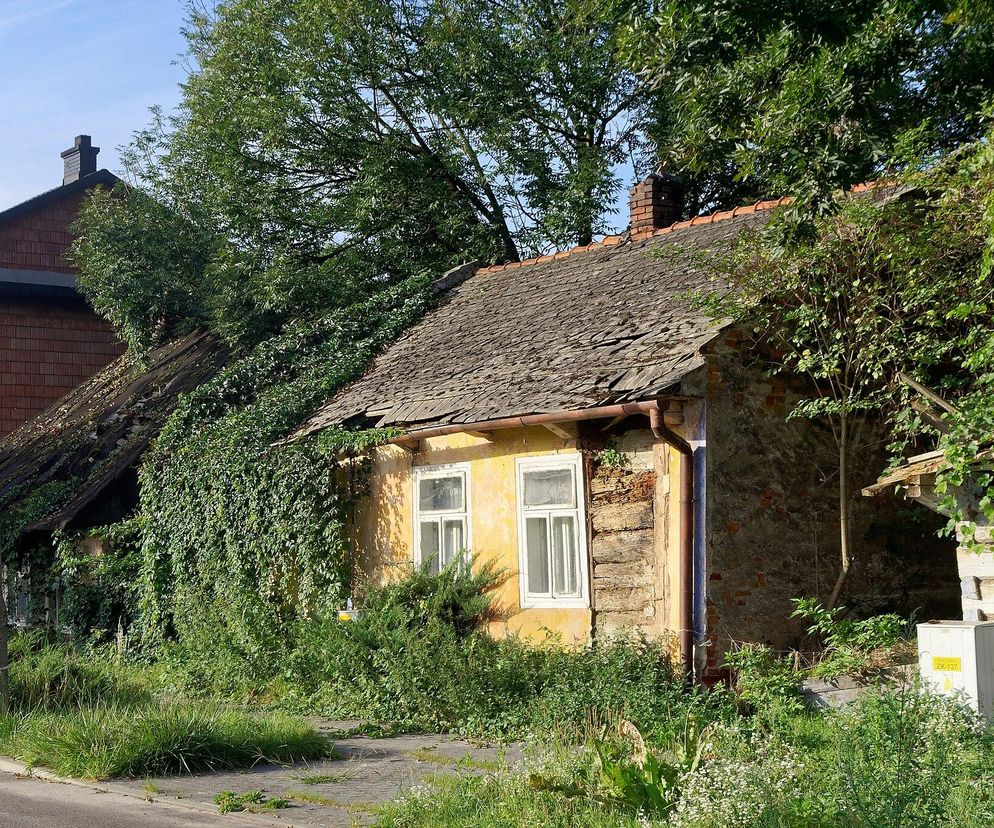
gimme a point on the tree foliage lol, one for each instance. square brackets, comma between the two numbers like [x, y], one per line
[801, 97]
[896, 280]
[339, 145]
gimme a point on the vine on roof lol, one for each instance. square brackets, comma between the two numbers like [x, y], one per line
[239, 535]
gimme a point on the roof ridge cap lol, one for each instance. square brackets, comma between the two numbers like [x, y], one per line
[704, 218]
[614, 240]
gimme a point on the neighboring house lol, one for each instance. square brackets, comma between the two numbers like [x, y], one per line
[50, 340]
[710, 512]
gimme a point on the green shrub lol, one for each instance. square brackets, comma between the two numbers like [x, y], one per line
[849, 643]
[416, 655]
[766, 681]
[109, 742]
[897, 757]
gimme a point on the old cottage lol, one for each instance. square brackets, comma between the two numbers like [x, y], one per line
[627, 461]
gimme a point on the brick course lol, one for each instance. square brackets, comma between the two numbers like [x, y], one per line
[40, 239]
[47, 349]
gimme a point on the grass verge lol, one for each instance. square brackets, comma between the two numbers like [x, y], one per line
[111, 742]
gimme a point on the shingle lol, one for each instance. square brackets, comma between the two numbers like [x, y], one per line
[592, 328]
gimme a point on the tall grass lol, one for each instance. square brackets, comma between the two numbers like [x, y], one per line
[80, 712]
[47, 674]
[108, 742]
[895, 759]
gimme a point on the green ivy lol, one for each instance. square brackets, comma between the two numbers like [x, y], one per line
[241, 534]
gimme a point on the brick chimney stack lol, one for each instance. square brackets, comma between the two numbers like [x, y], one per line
[80, 160]
[656, 202]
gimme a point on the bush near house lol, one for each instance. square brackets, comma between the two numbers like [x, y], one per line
[418, 656]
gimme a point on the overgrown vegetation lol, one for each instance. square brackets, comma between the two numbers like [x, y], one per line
[889, 283]
[85, 713]
[419, 656]
[894, 759]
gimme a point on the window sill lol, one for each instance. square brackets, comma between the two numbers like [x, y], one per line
[551, 603]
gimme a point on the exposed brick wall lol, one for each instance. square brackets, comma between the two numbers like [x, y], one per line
[772, 516]
[39, 240]
[46, 349]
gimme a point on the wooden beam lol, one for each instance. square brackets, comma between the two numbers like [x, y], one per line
[559, 431]
[928, 415]
[928, 394]
[619, 419]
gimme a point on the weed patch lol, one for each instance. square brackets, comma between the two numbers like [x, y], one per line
[109, 742]
[229, 802]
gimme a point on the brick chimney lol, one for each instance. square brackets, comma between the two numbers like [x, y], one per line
[656, 202]
[80, 160]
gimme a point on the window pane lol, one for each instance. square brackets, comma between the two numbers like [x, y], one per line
[564, 557]
[430, 544]
[549, 487]
[453, 542]
[537, 548]
[441, 494]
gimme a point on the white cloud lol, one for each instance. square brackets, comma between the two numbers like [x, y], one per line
[13, 12]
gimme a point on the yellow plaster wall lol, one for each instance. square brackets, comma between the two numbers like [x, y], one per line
[385, 522]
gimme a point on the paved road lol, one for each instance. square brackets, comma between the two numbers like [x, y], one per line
[35, 803]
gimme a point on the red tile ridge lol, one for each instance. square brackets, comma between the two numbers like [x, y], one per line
[708, 218]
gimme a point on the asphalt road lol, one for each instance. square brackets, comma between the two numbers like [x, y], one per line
[35, 803]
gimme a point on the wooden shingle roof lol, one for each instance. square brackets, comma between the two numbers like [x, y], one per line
[99, 430]
[591, 327]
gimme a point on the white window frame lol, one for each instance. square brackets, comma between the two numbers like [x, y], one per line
[550, 462]
[442, 470]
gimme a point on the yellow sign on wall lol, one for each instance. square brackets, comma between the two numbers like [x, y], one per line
[947, 664]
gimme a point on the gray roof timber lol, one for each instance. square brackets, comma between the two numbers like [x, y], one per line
[100, 429]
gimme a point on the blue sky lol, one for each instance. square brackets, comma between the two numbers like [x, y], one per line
[80, 66]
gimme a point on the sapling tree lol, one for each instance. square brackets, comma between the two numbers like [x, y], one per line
[890, 282]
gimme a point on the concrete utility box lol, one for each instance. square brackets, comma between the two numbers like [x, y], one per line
[956, 658]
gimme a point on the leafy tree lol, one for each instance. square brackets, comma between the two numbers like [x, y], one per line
[143, 265]
[801, 97]
[336, 146]
[893, 281]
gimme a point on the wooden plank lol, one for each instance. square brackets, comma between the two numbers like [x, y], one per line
[975, 564]
[928, 394]
[928, 415]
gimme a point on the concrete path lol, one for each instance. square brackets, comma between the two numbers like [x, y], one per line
[28, 802]
[341, 792]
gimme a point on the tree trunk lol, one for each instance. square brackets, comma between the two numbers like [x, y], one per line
[4, 683]
[844, 527]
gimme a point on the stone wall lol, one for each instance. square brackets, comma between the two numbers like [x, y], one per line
[772, 516]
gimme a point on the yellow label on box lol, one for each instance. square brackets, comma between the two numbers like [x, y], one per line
[947, 664]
